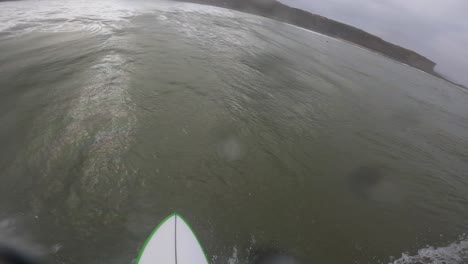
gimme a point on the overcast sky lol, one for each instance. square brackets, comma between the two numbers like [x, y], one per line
[437, 29]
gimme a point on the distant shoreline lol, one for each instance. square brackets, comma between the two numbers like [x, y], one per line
[316, 23]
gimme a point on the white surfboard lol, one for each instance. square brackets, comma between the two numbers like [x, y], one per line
[172, 242]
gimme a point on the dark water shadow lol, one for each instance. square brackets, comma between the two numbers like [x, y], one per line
[376, 183]
[364, 178]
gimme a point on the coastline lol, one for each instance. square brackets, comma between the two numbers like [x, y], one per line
[321, 25]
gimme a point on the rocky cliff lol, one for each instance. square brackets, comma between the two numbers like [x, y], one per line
[276, 10]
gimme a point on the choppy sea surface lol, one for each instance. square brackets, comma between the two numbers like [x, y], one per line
[114, 114]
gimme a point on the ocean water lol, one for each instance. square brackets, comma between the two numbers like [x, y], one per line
[114, 114]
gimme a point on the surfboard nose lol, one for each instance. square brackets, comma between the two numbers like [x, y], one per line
[172, 242]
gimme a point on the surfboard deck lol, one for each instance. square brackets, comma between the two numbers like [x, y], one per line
[172, 242]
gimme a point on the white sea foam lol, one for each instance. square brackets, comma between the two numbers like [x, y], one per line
[454, 253]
